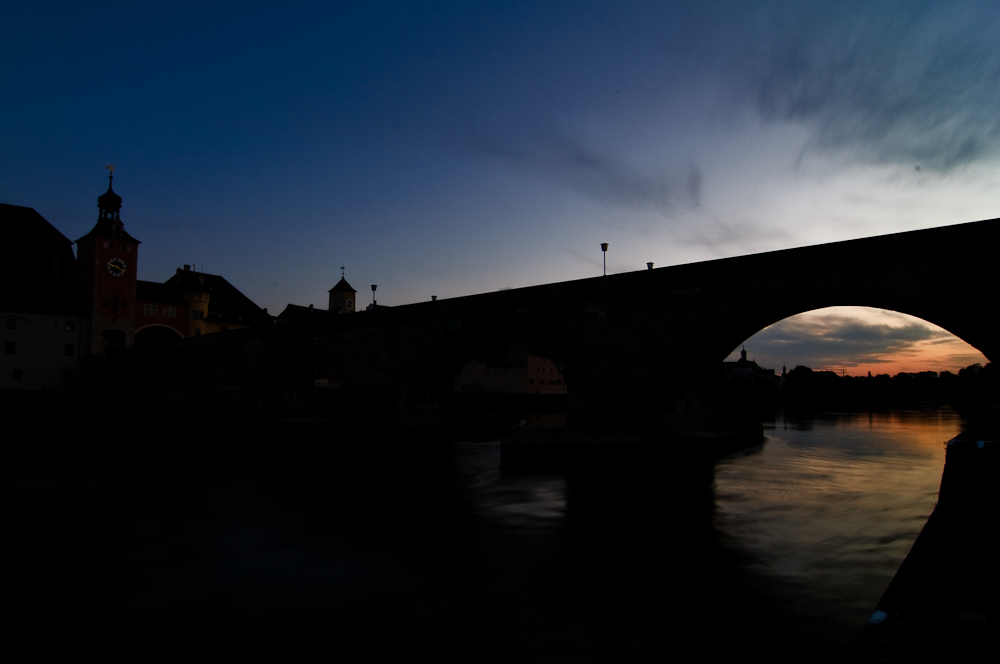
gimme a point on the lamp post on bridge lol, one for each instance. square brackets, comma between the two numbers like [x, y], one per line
[604, 250]
[373, 295]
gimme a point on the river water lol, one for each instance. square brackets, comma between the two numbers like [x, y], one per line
[831, 504]
[811, 526]
[393, 543]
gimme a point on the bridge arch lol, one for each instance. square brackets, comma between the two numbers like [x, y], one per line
[751, 320]
[155, 334]
[429, 383]
[887, 358]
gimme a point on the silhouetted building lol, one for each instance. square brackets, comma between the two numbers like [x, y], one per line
[342, 298]
[41, 310]
[161, 314]
[56, 308]
[516, 373]
[191, 304]
[298, 312]
[747, 371]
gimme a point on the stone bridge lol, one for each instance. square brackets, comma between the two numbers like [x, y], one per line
[637, 350]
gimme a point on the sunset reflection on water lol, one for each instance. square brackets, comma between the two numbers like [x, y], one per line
[832, 503]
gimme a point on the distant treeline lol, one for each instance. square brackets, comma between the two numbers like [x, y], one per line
[973, 383]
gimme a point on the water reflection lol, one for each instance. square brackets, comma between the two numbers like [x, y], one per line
[807, 531]
[419, 546]
[832, 503]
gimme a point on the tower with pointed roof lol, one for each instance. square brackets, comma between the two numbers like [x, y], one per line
[342, 296]
[107, 257]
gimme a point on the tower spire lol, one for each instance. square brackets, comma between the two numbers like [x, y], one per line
[109, 203]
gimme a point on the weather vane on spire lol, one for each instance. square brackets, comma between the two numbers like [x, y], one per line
[111, 171]
[341, 271]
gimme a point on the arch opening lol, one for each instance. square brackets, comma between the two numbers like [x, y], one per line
[487, 378]
[155, 334]
[852, 352]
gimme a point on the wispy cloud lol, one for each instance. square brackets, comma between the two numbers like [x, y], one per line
[571, 161]
[721, 237]
[915, 83]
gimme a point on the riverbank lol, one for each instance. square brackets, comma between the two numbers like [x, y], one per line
[944, 602]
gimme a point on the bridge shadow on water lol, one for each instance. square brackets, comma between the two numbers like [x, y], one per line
[243, 538]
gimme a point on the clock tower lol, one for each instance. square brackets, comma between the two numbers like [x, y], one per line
[107, 257]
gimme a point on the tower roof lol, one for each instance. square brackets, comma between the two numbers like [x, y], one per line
[342, 286]
[109, 223]
[109, 201]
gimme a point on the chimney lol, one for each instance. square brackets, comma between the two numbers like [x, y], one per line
[310, 309]
[187, 268]
[434, 298]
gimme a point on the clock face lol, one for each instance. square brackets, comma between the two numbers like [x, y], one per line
[350, 305]
[116, 267]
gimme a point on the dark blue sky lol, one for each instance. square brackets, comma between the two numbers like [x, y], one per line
[451, 148]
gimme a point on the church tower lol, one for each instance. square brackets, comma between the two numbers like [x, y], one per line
[342, 296]
[107, 257]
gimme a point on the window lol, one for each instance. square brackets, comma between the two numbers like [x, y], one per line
[8, 347]
[71, 326]
[169, 312]
[69, 351]
[197, 315]
[149, 309]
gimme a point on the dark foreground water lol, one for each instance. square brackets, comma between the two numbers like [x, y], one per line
[317, 540]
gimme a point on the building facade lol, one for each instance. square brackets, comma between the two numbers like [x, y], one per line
[108, 258]
[41, 313]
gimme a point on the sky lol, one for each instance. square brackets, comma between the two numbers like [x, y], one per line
[450, 148]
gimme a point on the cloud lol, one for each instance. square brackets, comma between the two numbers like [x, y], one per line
[829, 340]
[718, 236]
[913, 83]
[570, 161]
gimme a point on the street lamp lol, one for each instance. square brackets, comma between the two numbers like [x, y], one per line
[604, 249]
[373, 295]
[649, 266]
